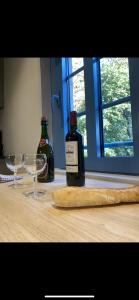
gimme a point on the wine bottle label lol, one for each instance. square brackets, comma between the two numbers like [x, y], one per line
[43, 142]
[72, 169]
[43, 174]
[72, 156]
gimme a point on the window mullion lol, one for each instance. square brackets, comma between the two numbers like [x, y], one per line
[90, 114]
[134, 86]
[99, 112]
[116, 102]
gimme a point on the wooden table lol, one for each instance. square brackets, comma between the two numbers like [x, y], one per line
[24, 219]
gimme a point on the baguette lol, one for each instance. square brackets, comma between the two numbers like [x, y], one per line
[81, 197]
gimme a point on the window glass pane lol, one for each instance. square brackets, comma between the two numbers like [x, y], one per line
[117, 125]
[76, 62]
[119, 151]
[81, 124]
[114, 78]
[77, 92]
[77, 98]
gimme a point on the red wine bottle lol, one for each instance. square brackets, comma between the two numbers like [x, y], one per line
[45, 148]
[75, 170]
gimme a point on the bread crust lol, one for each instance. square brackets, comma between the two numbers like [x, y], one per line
[81, 197]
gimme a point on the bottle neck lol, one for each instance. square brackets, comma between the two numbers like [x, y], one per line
[73, 127]
[73, 121]
[44, 133]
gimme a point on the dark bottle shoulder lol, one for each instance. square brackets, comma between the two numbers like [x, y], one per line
[73, 136]
[46, 148]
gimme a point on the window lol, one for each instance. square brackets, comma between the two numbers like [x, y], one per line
[115, 107]
[105, 93]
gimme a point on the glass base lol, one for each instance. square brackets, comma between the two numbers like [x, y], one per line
[34, 195]
[17, 185]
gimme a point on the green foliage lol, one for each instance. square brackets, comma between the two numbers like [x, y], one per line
[117, 120]
[82, 127]
[114, 78]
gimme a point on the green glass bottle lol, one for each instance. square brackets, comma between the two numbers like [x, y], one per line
[45, 148]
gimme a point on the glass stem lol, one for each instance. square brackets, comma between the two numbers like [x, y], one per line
[15, 173]
[34, 185]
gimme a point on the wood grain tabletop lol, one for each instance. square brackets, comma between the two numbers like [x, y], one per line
[24, 219]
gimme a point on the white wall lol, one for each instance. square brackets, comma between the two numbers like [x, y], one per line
[20, 118]
[46, 92]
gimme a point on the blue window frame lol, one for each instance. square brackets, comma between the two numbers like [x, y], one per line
[62, 76]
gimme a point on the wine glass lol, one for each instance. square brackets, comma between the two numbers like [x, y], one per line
[35, 164]
[13, 163]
